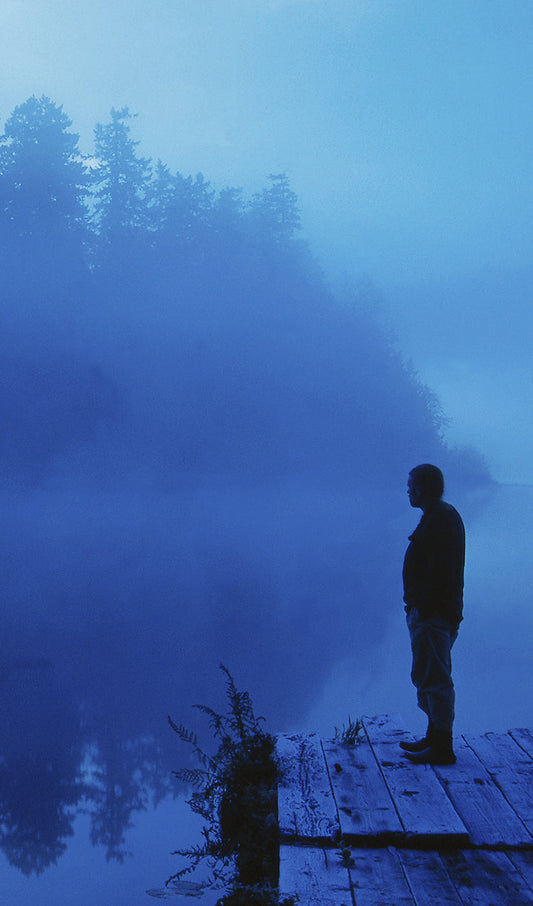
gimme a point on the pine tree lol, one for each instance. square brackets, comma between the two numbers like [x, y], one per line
[276, 209]
[44, 180]
[121, 180]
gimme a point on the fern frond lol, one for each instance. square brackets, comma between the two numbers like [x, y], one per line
[184, 734]
[241, 718]
[191, 739]
[216, 721]
[192, 776]
[194, 855]
[201, 805]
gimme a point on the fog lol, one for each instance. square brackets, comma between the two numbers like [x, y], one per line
[214, 387]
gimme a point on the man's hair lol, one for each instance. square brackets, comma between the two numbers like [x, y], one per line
[429, 480]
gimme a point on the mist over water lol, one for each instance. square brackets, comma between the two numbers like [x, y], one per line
[493, 651]
[204, 448]
[204, 459]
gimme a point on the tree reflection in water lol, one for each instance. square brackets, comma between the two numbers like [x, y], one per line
[52, 768]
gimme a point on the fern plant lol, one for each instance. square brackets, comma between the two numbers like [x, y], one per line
[235, 792]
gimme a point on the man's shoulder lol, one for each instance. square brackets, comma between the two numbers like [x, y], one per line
[446, 507]
[443, 513]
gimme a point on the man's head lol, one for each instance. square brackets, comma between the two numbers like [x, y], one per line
[425, 485]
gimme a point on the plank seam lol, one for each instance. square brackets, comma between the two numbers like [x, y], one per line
[452, 882]
[339, 823]
[519, 744]
[459, 837]
[494, 779]
[406, 877]
[384, 779]
[518, 867]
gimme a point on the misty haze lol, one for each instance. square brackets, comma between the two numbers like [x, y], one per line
[209, 412]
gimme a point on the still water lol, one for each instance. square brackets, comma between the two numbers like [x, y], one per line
[492, 666]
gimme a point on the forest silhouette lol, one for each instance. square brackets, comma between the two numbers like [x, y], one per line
[200, 444]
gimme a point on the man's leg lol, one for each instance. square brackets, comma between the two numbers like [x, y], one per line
[431, 643]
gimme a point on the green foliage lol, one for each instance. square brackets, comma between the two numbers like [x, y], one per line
[235, 792]
[349, 735]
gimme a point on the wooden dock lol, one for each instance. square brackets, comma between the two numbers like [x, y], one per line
[363, 826]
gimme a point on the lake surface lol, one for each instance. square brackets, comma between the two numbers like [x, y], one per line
[492, 666]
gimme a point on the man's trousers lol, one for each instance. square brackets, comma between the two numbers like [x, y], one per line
[432, 641]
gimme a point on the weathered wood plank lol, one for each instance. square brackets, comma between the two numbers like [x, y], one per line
[523, 861]
[385, 727]
[484, 878]
[512, 769]
[428, 879]
[499, 750]
[422, 804]
[313, 876]
[378, 879]
[363, 800]
[306, 806]
[524, 738]
[484, 810]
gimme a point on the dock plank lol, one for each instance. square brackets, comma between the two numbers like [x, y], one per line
[480, 803]
[484, 878]
[499, 750]
[306, 806]
[524, 738]
[421, 802]
[369, 828]
[428, 879]
[363, 800]
[511, 768]
[378, 878]
[313, 876]
[523, 861]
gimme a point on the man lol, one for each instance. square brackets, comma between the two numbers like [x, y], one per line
[433, 575]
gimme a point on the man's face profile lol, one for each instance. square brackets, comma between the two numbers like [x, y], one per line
[413, 492]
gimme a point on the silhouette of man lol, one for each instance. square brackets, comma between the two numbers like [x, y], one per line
[433, 576]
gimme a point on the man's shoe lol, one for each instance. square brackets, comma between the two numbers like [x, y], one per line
[419, 745]
[440, 751]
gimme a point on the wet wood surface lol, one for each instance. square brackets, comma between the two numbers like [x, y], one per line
[365, 805]
[315, 876]
[362, 826]
[306, 805]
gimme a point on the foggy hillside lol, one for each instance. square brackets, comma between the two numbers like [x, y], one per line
[204, 454]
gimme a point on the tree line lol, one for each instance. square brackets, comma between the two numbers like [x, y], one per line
[113, 200]
[284, 378]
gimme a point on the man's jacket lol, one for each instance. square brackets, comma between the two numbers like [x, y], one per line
[433, 569]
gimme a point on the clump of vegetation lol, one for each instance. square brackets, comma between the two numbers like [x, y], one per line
[349, 735]
[235, 792]
[258, 895]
